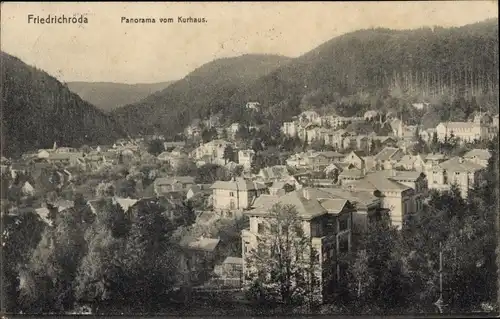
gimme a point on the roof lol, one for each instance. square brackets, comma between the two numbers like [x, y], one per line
[379, 181]
[173, 180]
[205, 217]
[239, 184]
[435, 157]
[352, 173]
[458, 125]
[482, 154]
[370, 113]
[395, 123]
[204, 244]
[125, 203]
[62, 204]
[306, 208]
[331, 154]
[364, 198]
[334, 205]
[457, 164]
[277, 171]
[386, 153]
[407, 160]
[64, 156]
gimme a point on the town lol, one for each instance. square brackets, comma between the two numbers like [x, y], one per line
[242, 162]
[226, 191]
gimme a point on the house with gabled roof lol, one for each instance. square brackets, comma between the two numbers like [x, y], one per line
[164, 185]
[388, 157]
[396, 196]
[330, 220]
[457, 170]
[236, 194]
[355, 160]
[478, 156]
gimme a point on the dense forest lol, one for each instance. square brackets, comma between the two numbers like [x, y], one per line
[109, 96]
[366, 69]
[38, 110]
[204, 91]
[423, 64]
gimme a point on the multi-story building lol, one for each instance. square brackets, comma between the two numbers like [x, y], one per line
[399, 191]
[237, 194]
[332, 219]
[212, 151]
[478, 156]
[456, 170]
[290, 129]
[480, 128]
[245, 158]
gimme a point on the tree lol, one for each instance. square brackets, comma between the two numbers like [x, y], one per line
[378, 282]
[228, 154]
[257, 145]
[208, 134]
[284, 265]
[21, 234]
[155, 147]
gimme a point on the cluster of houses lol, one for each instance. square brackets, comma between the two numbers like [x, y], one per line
[335, 193]
[341, 132]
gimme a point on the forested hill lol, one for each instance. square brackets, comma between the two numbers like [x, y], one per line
[366, 65]
[207, 89]
[38, 110]
[109, 96]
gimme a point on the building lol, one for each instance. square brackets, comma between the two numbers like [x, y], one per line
[457, 170]
[165, 185]
[412, 162]
[290, 129]
[478, 156]
[237, 194]
[396, 191]
[388, 157]
[67, 159]
[370, 115]
[480, 128]
[253, 106]
[199, 257]
[211, 152]
[174, 159]
[245, 158]
[233, 129]
[309, 117]
[230, 272]
[354, 160]
[329, 220]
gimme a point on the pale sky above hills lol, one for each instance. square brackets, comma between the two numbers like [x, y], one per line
[107, 50]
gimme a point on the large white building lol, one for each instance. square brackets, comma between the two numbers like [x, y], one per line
[480, 128]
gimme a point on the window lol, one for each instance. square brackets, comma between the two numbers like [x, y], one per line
[343, 246]
[457, 173]
[343, 224]
[231, 194]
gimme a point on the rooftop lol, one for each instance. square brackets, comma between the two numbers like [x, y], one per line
[238, 184]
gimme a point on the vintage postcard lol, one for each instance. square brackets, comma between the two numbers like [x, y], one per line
[246, 159]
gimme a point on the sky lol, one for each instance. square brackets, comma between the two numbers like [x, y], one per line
[107, 50]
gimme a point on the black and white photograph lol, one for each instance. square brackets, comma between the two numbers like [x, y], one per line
[246, 159]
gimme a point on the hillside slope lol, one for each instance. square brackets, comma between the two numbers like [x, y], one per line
[205, 90]
[38, 110]
[423, 64]
[108, 96]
